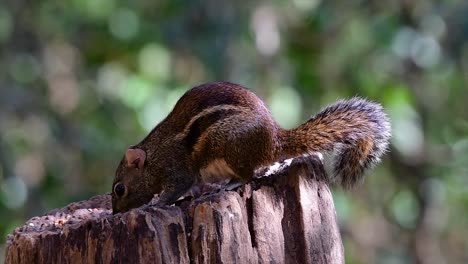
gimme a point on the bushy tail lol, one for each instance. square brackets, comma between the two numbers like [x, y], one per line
[351, 134]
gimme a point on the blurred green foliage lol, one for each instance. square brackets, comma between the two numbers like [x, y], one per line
[81, 80]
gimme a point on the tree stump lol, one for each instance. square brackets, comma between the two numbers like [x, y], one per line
[286, 215]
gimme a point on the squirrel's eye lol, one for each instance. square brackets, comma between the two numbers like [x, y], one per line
[119, 189]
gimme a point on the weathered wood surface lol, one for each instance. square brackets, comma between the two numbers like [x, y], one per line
[287, 217]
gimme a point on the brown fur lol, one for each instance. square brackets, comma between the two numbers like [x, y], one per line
[226, 129]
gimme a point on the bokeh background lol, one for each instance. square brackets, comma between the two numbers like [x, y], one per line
[81, 80]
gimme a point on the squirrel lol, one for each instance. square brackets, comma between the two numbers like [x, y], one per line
[222, 131]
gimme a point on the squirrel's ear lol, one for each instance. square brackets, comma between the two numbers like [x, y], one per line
[135, 158]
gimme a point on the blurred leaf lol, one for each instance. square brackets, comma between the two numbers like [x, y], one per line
[405, 209]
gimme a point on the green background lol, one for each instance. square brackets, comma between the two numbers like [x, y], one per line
[81, 80]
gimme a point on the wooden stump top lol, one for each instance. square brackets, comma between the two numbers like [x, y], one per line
[287, 216]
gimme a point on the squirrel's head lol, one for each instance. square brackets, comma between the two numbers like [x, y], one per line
[132, 186]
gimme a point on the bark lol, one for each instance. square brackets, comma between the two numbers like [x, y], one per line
[285, 216]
